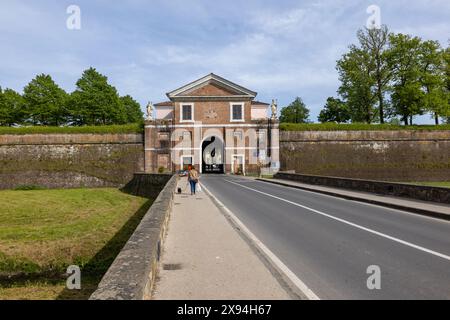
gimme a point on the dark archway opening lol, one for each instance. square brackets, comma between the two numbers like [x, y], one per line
[212, 156]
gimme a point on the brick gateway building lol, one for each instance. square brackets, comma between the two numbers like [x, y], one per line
[214, 124]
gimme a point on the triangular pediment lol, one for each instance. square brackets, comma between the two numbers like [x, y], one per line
[211, 86]
[211, 89]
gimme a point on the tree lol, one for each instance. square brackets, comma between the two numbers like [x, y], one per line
[296, 112]
[432, 78]
[365, 75]
[45, 101]
[374, 42]
[407, 97]
[355, 73]
[11, 107]
[133, 110]
[335, 110]
[95, 101]
[446, 56]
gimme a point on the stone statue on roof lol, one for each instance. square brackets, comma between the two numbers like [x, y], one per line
[150, 109]
[274, 107]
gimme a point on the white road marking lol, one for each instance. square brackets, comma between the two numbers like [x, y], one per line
[266, 251]
[406, 243]
[357, 202]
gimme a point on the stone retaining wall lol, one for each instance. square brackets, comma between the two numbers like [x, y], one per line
[425, 193]
[133, 272]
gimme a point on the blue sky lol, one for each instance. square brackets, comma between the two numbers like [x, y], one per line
[281, 49]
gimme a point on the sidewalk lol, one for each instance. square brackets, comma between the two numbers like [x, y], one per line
[422, 207]
[205, 258]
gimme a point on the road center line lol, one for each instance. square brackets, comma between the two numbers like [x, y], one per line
[406, 243]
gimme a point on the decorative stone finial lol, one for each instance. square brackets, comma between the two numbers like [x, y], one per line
[274, 109]
[150, 109]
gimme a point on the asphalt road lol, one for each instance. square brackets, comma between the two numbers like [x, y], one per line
[330, 242]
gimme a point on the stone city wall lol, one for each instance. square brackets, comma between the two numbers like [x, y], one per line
[404, 156]
[70, 160]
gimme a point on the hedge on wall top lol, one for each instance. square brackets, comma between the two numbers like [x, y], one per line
[129, 128]
[138, 128]
[355, 127]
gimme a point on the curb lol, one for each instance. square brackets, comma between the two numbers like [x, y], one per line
[422, 212]
[294, 285]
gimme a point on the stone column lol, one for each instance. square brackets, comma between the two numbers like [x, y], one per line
[275, 148]
[150, 139]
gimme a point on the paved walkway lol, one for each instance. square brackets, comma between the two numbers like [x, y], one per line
[204, 257]
[415, 205]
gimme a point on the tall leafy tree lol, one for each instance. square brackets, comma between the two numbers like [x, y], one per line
[335, 110]
[375, 42]
[432, 78]
[45, 101]
[355, 73]
[133, 110]
[11, 107]
[407, 97]
[95, 101]
[296, 112]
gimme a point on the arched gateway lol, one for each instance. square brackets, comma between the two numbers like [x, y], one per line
[213, 155]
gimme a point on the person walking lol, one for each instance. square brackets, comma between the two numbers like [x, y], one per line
[193, 179]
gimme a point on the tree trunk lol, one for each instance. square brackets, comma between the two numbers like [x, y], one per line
[380, 100]
[436, 118]
[411, 120]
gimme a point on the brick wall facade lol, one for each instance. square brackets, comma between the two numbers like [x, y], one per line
[245, 144]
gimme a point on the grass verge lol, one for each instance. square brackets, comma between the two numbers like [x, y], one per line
[44, 231]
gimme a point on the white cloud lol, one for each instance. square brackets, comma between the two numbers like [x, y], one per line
[280, 23]
[280, 49]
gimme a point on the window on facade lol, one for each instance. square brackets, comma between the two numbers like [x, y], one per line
[163, 136]
[237, 112]
[186, 113]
